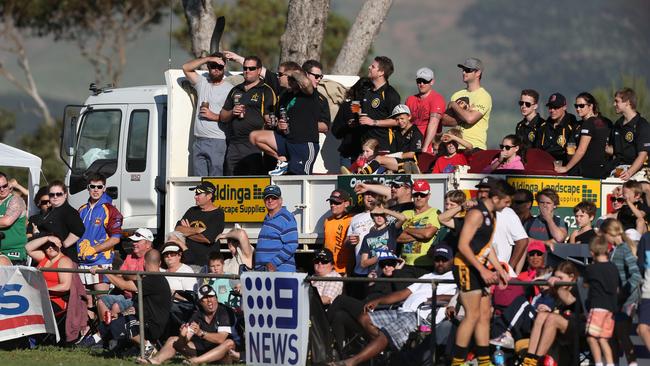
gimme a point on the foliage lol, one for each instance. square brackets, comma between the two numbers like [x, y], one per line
[254, 27]
[7, 123]
[605, 96]
[44, 143]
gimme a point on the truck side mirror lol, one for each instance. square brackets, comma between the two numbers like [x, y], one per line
[71, 116]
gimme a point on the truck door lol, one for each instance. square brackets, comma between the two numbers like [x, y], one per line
[138, 197]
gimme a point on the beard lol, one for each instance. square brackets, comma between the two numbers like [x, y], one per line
[215, 78]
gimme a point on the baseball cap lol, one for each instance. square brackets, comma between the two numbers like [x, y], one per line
[443, 250]
[472, 63]
[272, 190]
[384, 255]
[204, 187]
[142, 233]
[401, 180]
[424, 73]
[324, 255]
[206, 291]
[339, 196]
[538, 245]
[486, 182]
[556, 100]
[400, 109]
[171, 247]
[421, 186]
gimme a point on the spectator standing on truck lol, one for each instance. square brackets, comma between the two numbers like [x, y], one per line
[13, 220]
[278, 238]
[474, 121]
[378, 102]
[630, 139]
[103, 224]
[557, 131]
[314, 70]
[201, 224]
[293, 141]
[209, 147]
[247, 107]
[427, 107]
[527, 128]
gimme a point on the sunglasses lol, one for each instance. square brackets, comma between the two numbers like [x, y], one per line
[580, 106]
[55, 194]
[506, 147]
[419, 195]
[272, 198]
[422, 81]
[93, 186]
[171, 254]
[335, 203]
[617, 199]
[321, 261]
[250, 68]
[5, 186]
[214, 65]
[44, 202]
[527, 104]
[317, 76]
[388, 263]
[535, 253]
[468, 70]
[551, 108]
[377, 215]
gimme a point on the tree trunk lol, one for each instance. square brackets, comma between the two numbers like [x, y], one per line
[200, 21]
[363, 33]
[305, 28]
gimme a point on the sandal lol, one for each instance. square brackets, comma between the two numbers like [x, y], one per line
[183, 348]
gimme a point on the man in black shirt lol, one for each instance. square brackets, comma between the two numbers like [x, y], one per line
[246, 108]
[554, 134]
[527, 128]
[201, 224]
[295, 139]
[378, 103]
[207, 337]
[314, 70]
[630, 139]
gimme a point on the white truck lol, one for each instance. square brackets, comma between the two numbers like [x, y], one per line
[139, 137]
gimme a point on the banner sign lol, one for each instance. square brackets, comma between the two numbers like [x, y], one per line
[240, 198]
[276, 308]
[25, 307]
[347, 183]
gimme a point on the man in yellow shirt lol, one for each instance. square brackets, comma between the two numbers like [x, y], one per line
[420, 227]
[474, 121]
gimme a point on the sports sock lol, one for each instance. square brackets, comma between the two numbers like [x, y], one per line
[483, 355]
[459, 355]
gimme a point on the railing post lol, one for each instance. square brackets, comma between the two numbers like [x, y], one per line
[138, 278]
[434, 311]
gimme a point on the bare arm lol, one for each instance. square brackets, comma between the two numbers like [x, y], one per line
[432, 128]
[447, 218]
[15, 208]
[17, 187]
[32, 247]
[366, 261]
[367, 121]
[379, 189]
[468, 116]
[122, 283]
[518, 252]
[240, 60]
[422, 234]
[107, 245]
[65, 279]
[189, 68]
[70, 240]
[636, 165]
[448, 120]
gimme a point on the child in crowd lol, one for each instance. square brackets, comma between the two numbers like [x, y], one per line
[220, 285]
[602, 279]
[584, 212]
[407, 143]
[448, 162]
[382, 236]
[366, 163]
[451, 219]
[634, 213]
[511, 156]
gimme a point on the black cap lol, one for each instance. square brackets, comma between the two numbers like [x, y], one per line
[339, 196]
[486, 182]
[204, 187]
[443, 250]
[272, 190]
[556, 100]
[401, 180]
[324, 255]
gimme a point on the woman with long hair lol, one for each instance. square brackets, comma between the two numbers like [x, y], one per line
[512, 156]
[592, 134]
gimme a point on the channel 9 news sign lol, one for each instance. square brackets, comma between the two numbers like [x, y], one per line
[276, 308]
[240, 198]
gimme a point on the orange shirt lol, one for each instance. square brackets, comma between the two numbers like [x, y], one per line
[335, 232]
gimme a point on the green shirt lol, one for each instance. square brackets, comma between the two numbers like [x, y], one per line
[13, 244]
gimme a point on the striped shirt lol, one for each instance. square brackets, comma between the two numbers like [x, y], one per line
[278, 241]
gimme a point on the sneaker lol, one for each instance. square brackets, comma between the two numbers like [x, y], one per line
[280, 169]
[88, 341]
[149, 350]
[505, 341]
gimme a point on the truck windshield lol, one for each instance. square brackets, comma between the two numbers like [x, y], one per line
[99, 138]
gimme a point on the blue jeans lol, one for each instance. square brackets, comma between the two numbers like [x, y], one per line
[208, 156]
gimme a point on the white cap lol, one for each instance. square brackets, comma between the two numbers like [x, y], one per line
[400, 109]
[424, 73]
[633, 234]
[171, 248]
[142, 233]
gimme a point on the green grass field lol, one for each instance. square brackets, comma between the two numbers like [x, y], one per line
[51, 356]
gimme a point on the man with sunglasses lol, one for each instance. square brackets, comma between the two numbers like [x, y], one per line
[103, 223]
[247, 109]
[324, 267]
[527, 128]
[278, 237]
[420, 227]
[335, 228]
[427, 106]
[557, 131]
[474, 121]
[209, 147]
[201, 225]
[13, 218]
[314, 70]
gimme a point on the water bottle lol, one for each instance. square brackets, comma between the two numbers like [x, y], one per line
[499, 357]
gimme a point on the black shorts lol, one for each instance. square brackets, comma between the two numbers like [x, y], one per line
[301, 156]
[467, 277]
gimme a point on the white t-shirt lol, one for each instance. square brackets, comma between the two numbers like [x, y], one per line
[509, 229]
[421, 292]
[181, 283]
[360, 224]
[216, 96]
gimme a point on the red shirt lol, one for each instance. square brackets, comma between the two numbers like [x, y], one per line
[446, 164]
[421, 109]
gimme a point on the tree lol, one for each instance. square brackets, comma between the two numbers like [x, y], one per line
[44, 143]
[296, 44]
[605, 96]
[363, 33]
[7, 123]
[201, 19]
[10, 13]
